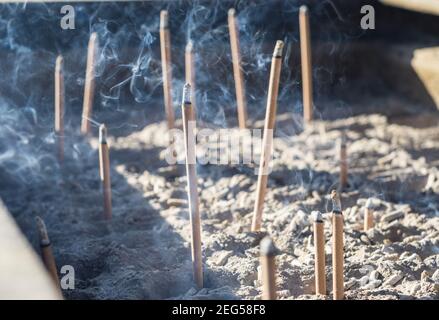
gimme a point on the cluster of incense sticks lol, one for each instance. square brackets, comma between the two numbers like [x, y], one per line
[189, 141]
[59, 107]
[268, 265]
[267, 141]
[165, 49]
[104, 170]
[46, 250]
[237, 70]
[305, 49]
[89, 87]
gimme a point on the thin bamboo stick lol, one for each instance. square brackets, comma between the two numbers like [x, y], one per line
[343, 163]
[190, 72]
[237, 69]
[267, 142]
[268, 264]
[189, 137]
[319, 253]
[89, 87]
[59, 107]
[104, 170]
[46, 251]
[305, 49]
[337, 248]
[368, 215]
[165, 48]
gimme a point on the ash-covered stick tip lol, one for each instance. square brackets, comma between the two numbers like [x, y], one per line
[189, 46]
[102, 133]
[369, 203]
[164, 19]
[93, 37]
[187, 94]
[343, 139]
[278, 49]
[59, 61]
[304, 9]
[232, 12]
[268, 249]
[336, 203]
[317, 216]
[42, 231]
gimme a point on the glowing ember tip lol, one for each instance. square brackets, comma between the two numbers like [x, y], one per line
[267, 247]
[42, 230]
[369, 203]
[164, 21]
[187, 93]
[102, 133]
[317, 216]
[278, 49]
[336, 203]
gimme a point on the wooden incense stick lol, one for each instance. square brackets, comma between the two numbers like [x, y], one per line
[46, 251]
[270, 119]
[305, 50]
[268, 265]
[190, 71]
[337, 248]
[59, 107]
[104, 170]
[368, 215]
[237, 70]
[319, 255]
[165, 48]
[343, 163]
[89, 87]
[189, 138]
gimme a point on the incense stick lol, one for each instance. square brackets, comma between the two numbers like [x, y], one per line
[190, 71]
[104, 170]
[237, 70]
[46, 250]
[267, 142]
[319, 255]
[343, 163]
[337, 248]
[189, 138]
[305, 50]
[368, 215]
[59, 107]
[268, 264]
[165, 49]
[89, 88]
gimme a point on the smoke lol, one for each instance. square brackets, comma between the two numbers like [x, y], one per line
[129, 66]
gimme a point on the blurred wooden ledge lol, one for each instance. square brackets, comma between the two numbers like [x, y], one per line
[423, 6]
[22, 274]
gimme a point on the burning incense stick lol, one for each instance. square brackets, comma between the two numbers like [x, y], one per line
[305, 49]
[190, 71]
[267, 142]
[237, 70]
[165, 47]
[59, 107]
[268, 264]
[89, 88]
[104, 170]
[337, 247]
[343, 163]
[189, 137]
[368, 215]
[319, 255]
[46, 250]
